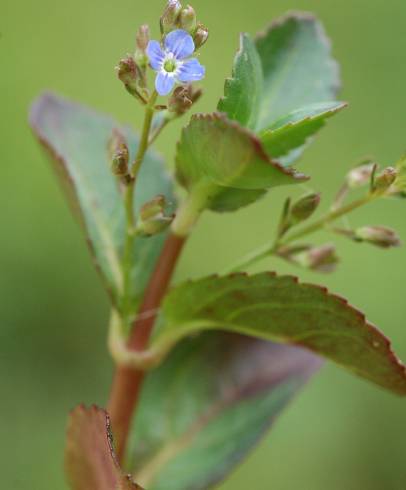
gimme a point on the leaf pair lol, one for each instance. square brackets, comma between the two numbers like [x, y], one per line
[284, 85]
[282, 91]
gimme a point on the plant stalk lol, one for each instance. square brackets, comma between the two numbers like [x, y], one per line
[129, 197]
[127, 382]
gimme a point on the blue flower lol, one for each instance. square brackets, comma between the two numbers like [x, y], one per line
[173, 63]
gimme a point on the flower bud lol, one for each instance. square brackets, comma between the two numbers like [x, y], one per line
[201, 36]
[360, 176]
[304, 208]
[170, 16]
[321, 258]
[130, 74]
[183, 98]
[119, 154]
[400, 182]
[378, 235]
[187, 19]
[142, 38]
[153, 219]
[384, 180]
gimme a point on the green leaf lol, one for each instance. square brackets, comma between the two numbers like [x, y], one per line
[90, 461]
[282, 310]
[294, 130]
[297, 67]
[76, 139]
[207, 406]
[221, 154]
[243, 91]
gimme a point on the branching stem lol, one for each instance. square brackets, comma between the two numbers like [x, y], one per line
[271, 249]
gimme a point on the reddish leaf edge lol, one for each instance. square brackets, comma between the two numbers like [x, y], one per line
[59, 166]
[304, 16]
[254, 140]
[124, 481]
[398, 366]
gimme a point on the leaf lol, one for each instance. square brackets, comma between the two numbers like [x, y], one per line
[297, 67]
[222, 154]
[294, 130]
[90, 461]
[282, 310]
[243, 91]
[76, 139]
[206, 407]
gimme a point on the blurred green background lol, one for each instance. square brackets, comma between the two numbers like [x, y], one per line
[340, 433]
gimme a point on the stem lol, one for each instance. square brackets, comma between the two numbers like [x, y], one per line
[270, 249]
[129, 197]
[127, 382]
[327, 219]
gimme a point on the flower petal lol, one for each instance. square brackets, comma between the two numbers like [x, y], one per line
[191, 71]
[164, 82]
[180, 43]
[155, 54]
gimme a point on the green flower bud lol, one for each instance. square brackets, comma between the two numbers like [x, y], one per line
[400, 182]
[304, 208]
[119, 154]
[384, 180]
[379, 236]
[131, 75]
[183, 98]
[170, 16]
[201, 35]
[187, 19]
[153, 219]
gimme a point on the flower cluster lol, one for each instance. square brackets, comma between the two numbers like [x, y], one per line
[171, 57]
[173, 61]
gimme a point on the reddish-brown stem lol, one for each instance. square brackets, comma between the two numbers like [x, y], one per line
[127, 382]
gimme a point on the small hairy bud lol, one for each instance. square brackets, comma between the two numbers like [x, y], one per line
[170, 16]
[131, 75]
[304, 208]
[153, 219]
[119, 154]
[321, 258]
[187, 19]
[400, 182]
[201, 35]
[384, 180]
[360, 176]
[142, 38]
[183, 98]
[379, 236]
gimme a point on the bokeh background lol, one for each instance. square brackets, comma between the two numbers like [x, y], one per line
[340, 433]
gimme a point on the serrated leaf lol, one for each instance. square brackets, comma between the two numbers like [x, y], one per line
[224, 155]
[76, 139]
[282, 310]
[243, 91]
[297, 66]
[294, 130]
[206, 407]
[90, 461]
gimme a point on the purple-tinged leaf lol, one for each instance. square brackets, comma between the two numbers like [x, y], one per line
[206, 407]
[282, 310]
[76, 139]
[90, 461]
